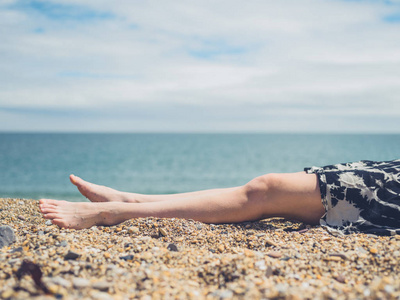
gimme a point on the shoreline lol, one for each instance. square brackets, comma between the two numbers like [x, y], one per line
[150, 258]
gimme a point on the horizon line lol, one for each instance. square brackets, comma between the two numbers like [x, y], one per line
[202, 132]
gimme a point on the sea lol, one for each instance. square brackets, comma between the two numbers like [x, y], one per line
[37, 165]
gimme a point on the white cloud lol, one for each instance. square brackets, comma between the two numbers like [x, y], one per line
[335, 59]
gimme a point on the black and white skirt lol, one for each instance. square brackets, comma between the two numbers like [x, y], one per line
[360, 196]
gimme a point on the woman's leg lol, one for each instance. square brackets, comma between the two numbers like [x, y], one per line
[99, 193]
[294, 196]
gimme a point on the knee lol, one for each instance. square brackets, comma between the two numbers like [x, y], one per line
[261, 185]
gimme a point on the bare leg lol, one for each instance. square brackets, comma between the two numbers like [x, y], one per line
[294, 196]
[99, 193]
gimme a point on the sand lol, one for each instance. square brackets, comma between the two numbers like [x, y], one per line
[151, 258]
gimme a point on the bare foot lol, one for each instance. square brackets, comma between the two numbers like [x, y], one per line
[99, 193]
[76, 215]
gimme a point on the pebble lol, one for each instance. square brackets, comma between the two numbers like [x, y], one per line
[7, 236]
[101, 296]
[127, 257]
[339, 254]
[340, 278]
[172, 247]
[71, 255]
[80, 283]
[7, 294]
[63, 244]
[60, 281]
[361, 250]
[268, 259]
[133, 229]
[48, 223]
[333, 258]
[274, 254]
[18, 249]
[270, 243]
[53, 289]
[163, 232]
[102, 285]
[373, 250]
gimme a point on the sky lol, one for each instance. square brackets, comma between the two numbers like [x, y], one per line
[200, 66]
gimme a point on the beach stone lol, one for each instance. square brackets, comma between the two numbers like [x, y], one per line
[339, 254]
[19, 249]
[63, 244]
[48, 223]
[7, 294]
[7, 236]
[102, 285]
[274, 254]
[133, 229]
[269, 243]
[340, 278]
[309, 267]
[163, 232]
[127, 257]
[222, 294]
[333, 258]
[14, 260]
[172, 247]
[60, 281]
[22, 218]
[80, 283]
[101, 296]
[147, 256]
[71, 255]
[373, 250]
[361, 250]
[260, 265]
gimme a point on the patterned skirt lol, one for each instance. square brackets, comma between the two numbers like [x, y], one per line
[360, 196]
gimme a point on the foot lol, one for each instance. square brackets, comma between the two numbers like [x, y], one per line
[98, 193]
[75, 215]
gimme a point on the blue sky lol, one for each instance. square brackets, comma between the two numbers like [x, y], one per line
[214, 66]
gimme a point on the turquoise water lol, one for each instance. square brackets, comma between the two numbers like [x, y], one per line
[38, 165]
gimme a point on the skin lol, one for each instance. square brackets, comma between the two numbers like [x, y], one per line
[292, 195]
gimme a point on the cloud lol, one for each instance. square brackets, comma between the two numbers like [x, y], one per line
[262, 63]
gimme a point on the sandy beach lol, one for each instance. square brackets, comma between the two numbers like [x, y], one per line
[153, 258]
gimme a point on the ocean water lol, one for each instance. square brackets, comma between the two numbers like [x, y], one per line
[38, 165]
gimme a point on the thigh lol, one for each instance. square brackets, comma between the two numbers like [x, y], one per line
[298, 196]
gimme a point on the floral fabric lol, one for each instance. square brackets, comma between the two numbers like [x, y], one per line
[360, 196]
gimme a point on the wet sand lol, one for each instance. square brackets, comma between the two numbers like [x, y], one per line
[151, 258]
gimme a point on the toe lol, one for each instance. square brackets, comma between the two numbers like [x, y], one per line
[60, 222]
[47, 208]
[50, 216]
[48, 201]
[75, 180]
